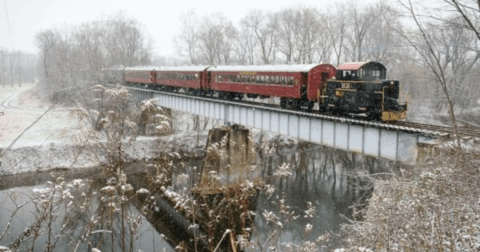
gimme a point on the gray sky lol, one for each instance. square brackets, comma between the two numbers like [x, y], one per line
[160, 18]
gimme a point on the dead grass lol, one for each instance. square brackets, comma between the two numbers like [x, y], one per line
[434, 208]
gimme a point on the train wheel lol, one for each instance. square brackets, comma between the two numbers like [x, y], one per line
[293, 104]
[225, 96]
[322, 108]
[375, 114]
[283, 103]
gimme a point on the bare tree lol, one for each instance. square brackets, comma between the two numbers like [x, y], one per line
[74, 58]
[187, 41]
[307, 32]
[245, 45]
[363, 18]
[263, 26]
[45, 41]
[336, 26]
[126, 42]
[430, 51]
[381, 42]
[285, 33]
[470, 12]
[216, 37]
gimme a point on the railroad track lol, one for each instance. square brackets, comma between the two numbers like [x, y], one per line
[419, 128]
[462, 131]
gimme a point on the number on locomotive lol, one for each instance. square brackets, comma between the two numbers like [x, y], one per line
[346, 85]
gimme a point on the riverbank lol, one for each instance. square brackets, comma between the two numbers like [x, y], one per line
[50, 143]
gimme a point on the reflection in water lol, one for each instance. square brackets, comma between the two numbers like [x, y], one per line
[318, 193]
[318, 184]
[77, 221]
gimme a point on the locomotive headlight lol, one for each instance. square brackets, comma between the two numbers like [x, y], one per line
[391, 84]
[339, 93]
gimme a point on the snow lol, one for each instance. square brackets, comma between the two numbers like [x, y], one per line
[182, 69]
[49, 144]
[140, 68]
[167, 69]
[57, 125]
[264, 68]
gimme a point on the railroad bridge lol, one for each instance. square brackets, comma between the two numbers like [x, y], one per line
[390, 141]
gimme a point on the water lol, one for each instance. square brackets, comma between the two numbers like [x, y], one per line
[318, 193]
[78, 220]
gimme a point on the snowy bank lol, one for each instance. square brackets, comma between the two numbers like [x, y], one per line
[59, 156]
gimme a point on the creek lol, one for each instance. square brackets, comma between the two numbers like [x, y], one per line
[318, 192]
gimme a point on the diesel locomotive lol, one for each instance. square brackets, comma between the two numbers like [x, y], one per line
[362, 87]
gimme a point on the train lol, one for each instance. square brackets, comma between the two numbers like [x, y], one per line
[351, 89]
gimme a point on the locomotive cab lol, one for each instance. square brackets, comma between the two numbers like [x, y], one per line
[373, 71]
[361, 88]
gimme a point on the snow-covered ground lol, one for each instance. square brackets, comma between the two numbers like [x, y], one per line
[48, 144]
[21, 107]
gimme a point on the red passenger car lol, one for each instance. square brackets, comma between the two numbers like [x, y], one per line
[296, 85]
[193, 79]
[140, 75]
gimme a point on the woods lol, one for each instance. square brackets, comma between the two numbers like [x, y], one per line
[73, 59]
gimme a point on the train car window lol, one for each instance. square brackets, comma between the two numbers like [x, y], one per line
[290, 80]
